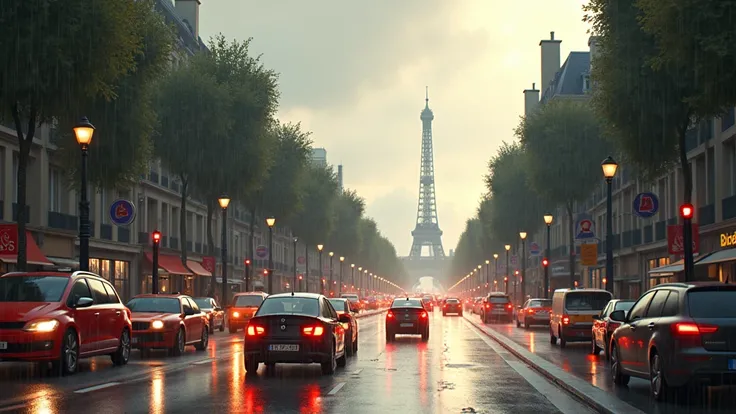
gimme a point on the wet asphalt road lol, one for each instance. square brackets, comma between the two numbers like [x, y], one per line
[458, 371]
[577, 360]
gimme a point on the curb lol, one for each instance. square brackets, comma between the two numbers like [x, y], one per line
[585, 392]
[371, 313]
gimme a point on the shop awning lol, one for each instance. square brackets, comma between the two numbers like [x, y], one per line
[197, 268]
[65, 262]
[9, 247]
[170, 264]
[668, 270]
[230, 281]
[719, 257]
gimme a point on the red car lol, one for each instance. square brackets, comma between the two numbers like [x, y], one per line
[168, 322]
[61, 317]
[349, 323]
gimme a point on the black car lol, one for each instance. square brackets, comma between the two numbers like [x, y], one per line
[295, 328]
[407, 316]
[452, 305]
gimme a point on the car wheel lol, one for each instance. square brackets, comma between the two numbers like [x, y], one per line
[179, 343]
[343, 360]
[390, 337]
[563, 342]
[251, 365]
[595, 349]
[349, 345]
[425, 336]
[617, 376]
[518, 323]
[552, 339]
[68, 361]
[122, 355]
[355, 345]
[204, 341]
[527, 325]
[329, 366]
[222, 326]
[658, 383]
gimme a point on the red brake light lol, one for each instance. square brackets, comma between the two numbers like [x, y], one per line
[509, 306]
[530, 311]
[565, 320]
[687, 328]
[488, 306]
[254, 330]
[389, 315]
[423, 315]
[313, 330]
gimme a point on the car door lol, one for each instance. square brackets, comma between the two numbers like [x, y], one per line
[329, 312]
[627, 334]
[648, 326]
[105, 314]
[194, 322]
[85, 319]
[117, 315]
[599, 324]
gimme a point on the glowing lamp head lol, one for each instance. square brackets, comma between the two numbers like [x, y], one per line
[507, 247]
[247, 262]
[331, 254]
[687, 211]
[548, 219]
[488, 262]
[270, 222]
[495, 256]
[342, 258]
[522, 234]
[609, 166]
[224, 201]
[320, 247]
[83, 132]
[352, 265]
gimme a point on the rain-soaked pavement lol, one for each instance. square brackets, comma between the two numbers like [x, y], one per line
[458, 371]
[577, 359]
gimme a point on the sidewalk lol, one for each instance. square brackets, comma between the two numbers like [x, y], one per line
[593, 396]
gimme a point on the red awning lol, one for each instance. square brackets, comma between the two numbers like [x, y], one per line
[170, 264]
[197, 268]
[9, 247]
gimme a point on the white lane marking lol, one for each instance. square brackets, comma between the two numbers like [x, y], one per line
[96, 387]
[564, 402]
[357, 371]
[13, 408]
[337, 388]
[206, 361]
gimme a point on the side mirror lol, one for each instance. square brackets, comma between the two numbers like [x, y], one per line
[596, 317]
[344, 318]
[618, 316]
[189, 312]
[218, 309]
[84, 302]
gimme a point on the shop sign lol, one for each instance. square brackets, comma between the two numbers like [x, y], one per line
[728, 239]
[122, 212]
[8, 239]
[208, 262]
[589, 254]
[675, 240]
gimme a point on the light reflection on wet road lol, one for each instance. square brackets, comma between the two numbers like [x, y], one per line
[456, 371]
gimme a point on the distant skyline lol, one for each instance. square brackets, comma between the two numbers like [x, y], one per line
[359, 84]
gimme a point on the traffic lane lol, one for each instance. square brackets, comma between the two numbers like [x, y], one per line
[576, 359]
[217, 386]
[19, 380]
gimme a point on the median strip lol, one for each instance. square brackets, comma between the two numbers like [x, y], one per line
[586, 392]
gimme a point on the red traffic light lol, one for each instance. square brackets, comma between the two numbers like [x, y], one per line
[545, 262]
[247, 262]
[265, 272]
[687, 211]
[300, 277]
[516, 273]
[156, 236]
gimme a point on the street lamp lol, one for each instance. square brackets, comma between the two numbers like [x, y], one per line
[506, 277]
[548, 218]
[495, 268]
[522, 235]
[339, 287]
[352, 275]
[83, 132]
[224, 201]
[488, 273]
[270, 222]
[365, 281]
[329, 287]
[294, 284]
[321, 275]
[609, 171]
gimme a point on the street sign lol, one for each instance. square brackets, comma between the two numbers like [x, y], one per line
[534, 249]
[301, 260]
[584, 227]
[675, 243]
[262, 251]
[589, 254]
[122, 212]
[646, 205]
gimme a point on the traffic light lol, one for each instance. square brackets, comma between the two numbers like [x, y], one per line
[545, 262]
[247, 262]
[300, 277]
[686, 211]
[156, 236]
[516, 273]
[265, 272]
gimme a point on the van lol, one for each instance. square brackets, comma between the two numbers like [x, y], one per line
[571, 319]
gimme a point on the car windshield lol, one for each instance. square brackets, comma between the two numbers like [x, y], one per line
[339, 304]
[540, 303]
[452, 301]
[248, 301]
[499, 299]
[203, 303]
[157, 305]
[32, 288]
[290, 304]
[407, 303]
[587, 301]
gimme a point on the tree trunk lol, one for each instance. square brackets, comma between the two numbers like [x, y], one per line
[211, 246]
[687, 230]
[24, 150]
[571, 243]
[252, 245]
[183, 218]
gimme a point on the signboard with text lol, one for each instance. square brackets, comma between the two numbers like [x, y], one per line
[589, 254]
[675, 243]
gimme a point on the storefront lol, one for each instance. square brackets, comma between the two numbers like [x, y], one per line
[35, 258]
[559, 273]
[200, 282]
[172, 274]
[721, 264]
[115, 271]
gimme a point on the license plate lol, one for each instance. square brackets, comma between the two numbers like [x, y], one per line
[283, 348]
[582, 334]
[731, 363]
[4, 346]
[407, 325]
[135, 340]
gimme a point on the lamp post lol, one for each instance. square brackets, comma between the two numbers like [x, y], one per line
[293, 286]
[506, 277]
[609, 166]
[339, 285]
[330, 293]
[156, 239]
[83, 132]
[548, 218]
[522, 235]
[270, 222]
[360, 279]
[365, 282]
[224, 201]
[352, 275]
[321, 275]
[495, 270]
[488, 273]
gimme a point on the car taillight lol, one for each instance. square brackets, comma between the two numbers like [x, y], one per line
[613, 325]
[254, 330]
[423, 315]
[316, 330]
[565, 320]
[687, 328]
[488, 306]
[509, 306]
[530, 311]
[444, 306]
[389, 315]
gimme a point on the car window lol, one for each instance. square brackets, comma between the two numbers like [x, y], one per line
[79, 290]
[331, 313]
[586, 301]
[193, 305]
[111, 293]
[655, 307]
[248, 301]
[204, 303]
[624, 305]
[637, 311]
[291, 305]
[607, 310]
[98, 290]
[453, 301]
[712, 303]
[340, 305]
[186, 305]
[407, 303]
[499, 299]
[672, 305]
[153, 304]
[538, 303]
[32, 288]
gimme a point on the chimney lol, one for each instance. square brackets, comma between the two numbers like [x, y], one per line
[593, 46]
[188, 10]
[550, 59]
[531, 99]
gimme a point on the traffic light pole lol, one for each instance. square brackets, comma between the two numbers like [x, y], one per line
[546, 267]
[686, 211]
[247, 275]
[154, 270]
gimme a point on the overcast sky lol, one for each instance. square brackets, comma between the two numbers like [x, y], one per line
[354, 72]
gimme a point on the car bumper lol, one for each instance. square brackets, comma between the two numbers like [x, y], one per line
[308, 353]
[452, 310]
[701, 367]
[577, 334]
[537, 319]
[152, 339]
[29, 346]
[417, 328]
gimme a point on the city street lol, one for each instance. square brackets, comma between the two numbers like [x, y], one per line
[458, 371]
[577, 360]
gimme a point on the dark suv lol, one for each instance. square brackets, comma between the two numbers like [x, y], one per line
[497, 306]
[677, 335]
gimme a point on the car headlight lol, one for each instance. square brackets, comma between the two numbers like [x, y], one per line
[236, 314]
[157, 324]
[346, 325]
[48, 325]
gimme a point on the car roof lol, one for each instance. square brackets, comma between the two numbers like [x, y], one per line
[251, 294]
[296, 295]
[340, 299]
[161, 295]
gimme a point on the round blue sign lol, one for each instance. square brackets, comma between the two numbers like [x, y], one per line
[122, 212]
[261, 251]
[646, 205]
[534, 249]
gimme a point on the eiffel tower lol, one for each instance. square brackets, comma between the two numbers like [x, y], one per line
[427, 231]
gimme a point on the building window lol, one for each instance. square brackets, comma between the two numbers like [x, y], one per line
[94, 266]
[15, 177]
[54, 190]
[121, 277]
[104, 207]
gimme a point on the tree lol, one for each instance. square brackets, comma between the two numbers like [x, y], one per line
[345, 235]
[564, 149]
[192, 109]
[378, 254]
[56, 54]
[125, 123]
[468, 252]
[314, 222]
